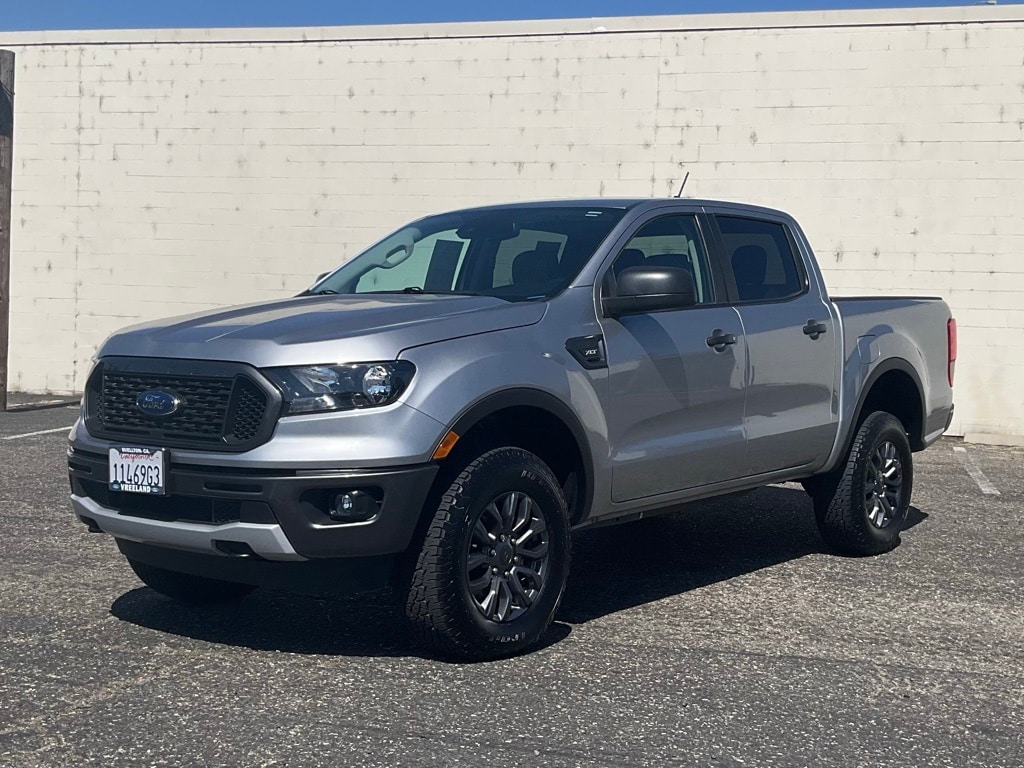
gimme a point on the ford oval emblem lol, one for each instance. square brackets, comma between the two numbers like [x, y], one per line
[157, 402]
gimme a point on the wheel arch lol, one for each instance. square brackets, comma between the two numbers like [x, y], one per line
[893, 386]
[538, 422]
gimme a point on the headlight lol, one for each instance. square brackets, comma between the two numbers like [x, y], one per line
[317, 388]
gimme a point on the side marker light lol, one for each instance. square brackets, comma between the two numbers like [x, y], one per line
[447, 443]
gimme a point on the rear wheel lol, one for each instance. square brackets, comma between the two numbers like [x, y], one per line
[494, 563]
[863, 513]
[186, 588]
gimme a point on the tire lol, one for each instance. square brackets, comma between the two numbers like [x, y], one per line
[186, 588]
[461, 602]
[865, 512]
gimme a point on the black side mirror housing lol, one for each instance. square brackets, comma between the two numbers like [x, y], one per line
[644, 289]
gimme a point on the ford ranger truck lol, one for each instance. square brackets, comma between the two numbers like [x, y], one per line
[444, 409]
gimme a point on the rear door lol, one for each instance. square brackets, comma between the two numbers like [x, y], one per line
[674, 404]
[791, 407]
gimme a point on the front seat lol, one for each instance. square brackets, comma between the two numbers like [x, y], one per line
[534, 270]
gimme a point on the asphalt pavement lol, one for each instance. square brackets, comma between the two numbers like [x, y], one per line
[723, 636]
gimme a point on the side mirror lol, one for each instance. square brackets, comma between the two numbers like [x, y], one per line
[650, 289]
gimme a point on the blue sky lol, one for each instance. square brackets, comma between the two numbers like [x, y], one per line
[98, 14]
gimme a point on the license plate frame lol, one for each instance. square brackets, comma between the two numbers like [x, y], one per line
[129, 463]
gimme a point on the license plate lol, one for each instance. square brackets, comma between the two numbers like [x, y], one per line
[138, 470]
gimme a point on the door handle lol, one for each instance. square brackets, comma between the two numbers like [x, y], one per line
[719, 340]
[814, 329]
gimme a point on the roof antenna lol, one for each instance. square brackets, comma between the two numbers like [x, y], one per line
[683, 185]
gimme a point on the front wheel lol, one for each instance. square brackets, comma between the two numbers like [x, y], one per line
[866, 509]
[186, 588]
[495, 560]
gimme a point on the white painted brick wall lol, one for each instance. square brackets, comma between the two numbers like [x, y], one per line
[166, 172]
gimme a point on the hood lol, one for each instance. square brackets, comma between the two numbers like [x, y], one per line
[321, 329]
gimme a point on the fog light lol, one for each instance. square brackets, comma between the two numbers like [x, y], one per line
[353, 506]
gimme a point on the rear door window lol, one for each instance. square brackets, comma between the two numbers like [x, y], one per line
[760, 255]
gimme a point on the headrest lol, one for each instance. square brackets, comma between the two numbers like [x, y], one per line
[750, 264]
[534, 267]
[630, 257]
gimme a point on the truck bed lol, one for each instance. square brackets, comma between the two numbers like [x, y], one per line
[881, 332]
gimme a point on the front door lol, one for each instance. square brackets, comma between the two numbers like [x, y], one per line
[675, 400]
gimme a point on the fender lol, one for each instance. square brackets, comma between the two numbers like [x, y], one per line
[847, 433]
[534, 398]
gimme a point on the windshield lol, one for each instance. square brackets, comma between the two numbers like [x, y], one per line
[518, 254]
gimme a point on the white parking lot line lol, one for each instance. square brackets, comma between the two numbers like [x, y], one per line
[33, 434]
[975, 472]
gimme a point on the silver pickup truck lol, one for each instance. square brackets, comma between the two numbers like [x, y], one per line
[441, 412]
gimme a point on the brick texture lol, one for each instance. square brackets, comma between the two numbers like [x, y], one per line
[161, 173]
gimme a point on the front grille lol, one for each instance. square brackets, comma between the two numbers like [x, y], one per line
[222, 406]
[201, 418]
[247, 412]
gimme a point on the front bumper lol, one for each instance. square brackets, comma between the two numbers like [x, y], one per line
[265, 514]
